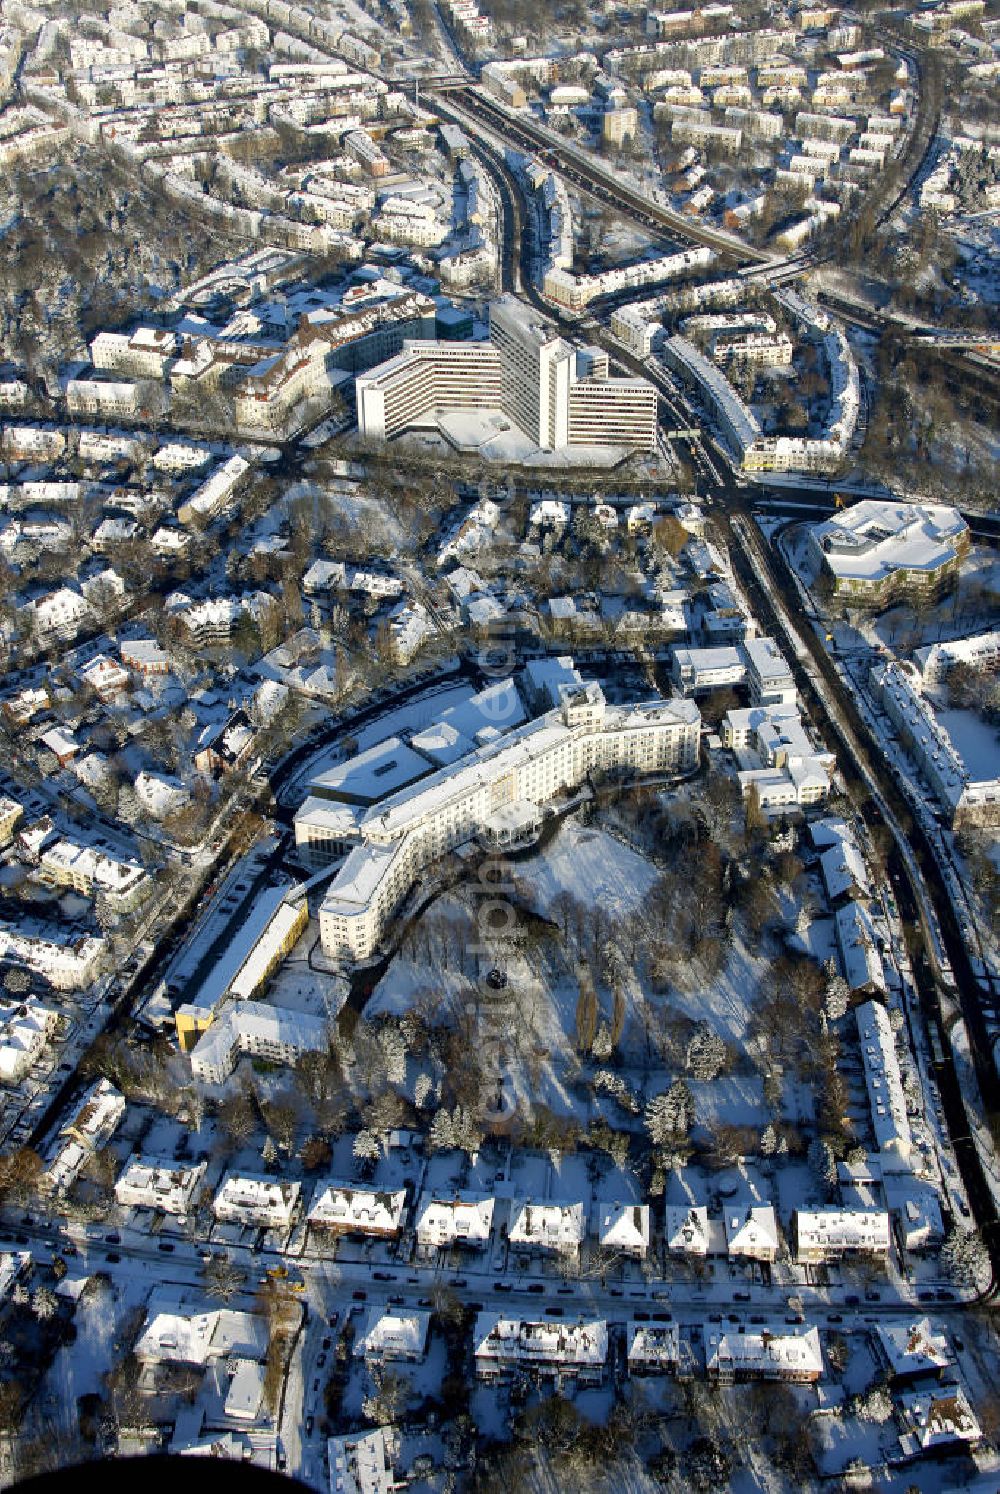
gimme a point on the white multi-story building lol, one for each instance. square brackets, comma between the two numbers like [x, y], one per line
[623, 1228]
[830, 1234]
[698, 670]
[424, 379]
[417, 825]
[793, 771]
[685, 1230]
[537, 1224]
[91, 1124]
[752, 1231]
[273, 1033]
[912, 1349]
[878, 550]
[775, 1353]
[392, 1334]
[217, 494]
[858, 948]
[564, 1350]
[60, 614]
[461, 1219]
[360, 1464]
[558, 396]
[652, 1348]
[768, 674]
[150, 1183]
[105, 399]
[266, 1202]
[980, 651]
[347, 1209]
[738, 423]
[93, 872]
[69, 960]
[25, 1028]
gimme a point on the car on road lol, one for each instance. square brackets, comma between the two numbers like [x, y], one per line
[502, 1286]
[536, 1286]
[165, 1246]
[327, 1342]
[360, 1296]
[321, 1361]
[553, 1312]
[113, 1257]
[383, 1276]
[834, 1317]
[310, 1423]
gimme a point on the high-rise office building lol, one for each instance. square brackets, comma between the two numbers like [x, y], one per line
[557, 395]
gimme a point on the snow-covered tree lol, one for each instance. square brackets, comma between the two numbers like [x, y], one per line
[837, 998]
[875, 1405]
[614, 1085]
[706, 1053]
[602, 1046]
[670, 1116]
[367, 1147]
[44, 1304]
[822, 1161]
[393, 1047]
[423, 1091]
[441, 1134]
[965, 1259]
[466, 1130]
[269, 1152]
[615, 967]
[768, 1141]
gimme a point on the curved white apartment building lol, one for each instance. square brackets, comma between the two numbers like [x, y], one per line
[420, 823]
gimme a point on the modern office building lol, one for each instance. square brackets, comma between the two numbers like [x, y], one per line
[558, 396]
[878, 551]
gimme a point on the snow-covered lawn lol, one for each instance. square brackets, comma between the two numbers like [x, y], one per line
[591, 865]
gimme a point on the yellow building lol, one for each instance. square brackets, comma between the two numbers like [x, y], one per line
[270, 929]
